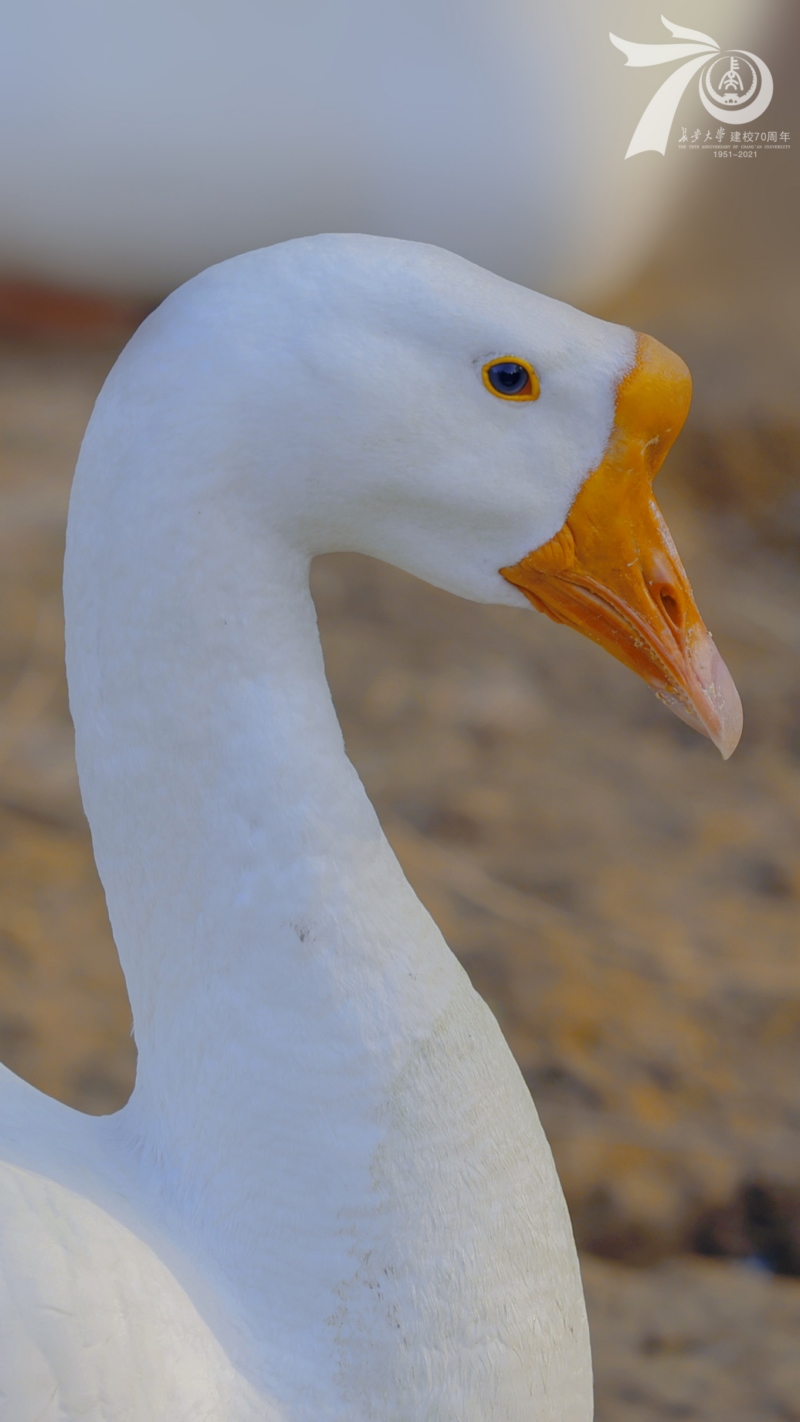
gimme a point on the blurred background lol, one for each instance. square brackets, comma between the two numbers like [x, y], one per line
[627, 903]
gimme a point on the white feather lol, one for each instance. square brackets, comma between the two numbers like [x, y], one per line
[329, 1196]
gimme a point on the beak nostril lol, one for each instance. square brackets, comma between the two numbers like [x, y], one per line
[671, 608]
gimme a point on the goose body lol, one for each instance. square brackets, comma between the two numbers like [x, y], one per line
[329, 1196]
[151, 139]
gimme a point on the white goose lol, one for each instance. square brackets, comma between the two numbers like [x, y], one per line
[329, 1196]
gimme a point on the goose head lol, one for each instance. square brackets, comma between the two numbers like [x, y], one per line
[364, 394]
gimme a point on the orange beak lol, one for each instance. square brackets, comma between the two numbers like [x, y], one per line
[613, 572]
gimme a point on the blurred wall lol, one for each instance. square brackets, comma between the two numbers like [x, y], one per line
[149, 139]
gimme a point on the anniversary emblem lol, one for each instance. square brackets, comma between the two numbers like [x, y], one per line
[733, 83]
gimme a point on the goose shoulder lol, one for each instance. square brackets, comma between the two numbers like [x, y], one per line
[86, 1296]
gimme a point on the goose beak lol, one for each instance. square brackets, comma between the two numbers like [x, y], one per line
[613, 572]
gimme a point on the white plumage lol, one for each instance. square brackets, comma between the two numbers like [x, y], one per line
[329, 1196]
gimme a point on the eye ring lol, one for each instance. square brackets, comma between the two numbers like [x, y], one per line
[511, 378]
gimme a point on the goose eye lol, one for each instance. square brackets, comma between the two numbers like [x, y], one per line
[511, 379]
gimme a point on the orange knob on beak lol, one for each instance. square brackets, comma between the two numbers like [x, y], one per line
[613, 571]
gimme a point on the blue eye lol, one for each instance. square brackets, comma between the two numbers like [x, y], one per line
[508, 378]
[511, 379]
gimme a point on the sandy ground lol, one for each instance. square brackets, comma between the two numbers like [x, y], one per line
[627, 904]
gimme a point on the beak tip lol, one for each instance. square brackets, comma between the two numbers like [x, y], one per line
[731, 729]
[725, 725]
[708, 700]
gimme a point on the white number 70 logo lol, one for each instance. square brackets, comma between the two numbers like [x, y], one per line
[733, 83]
